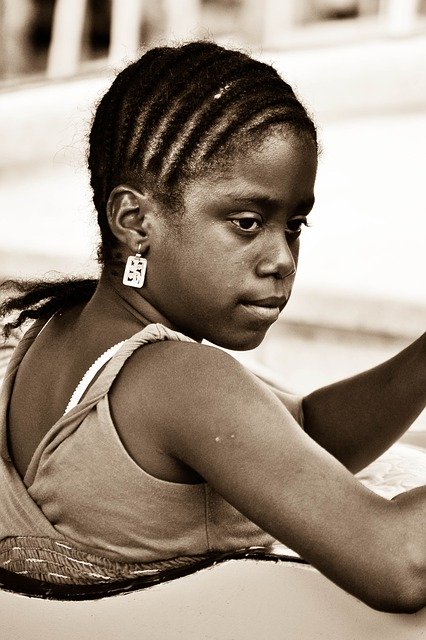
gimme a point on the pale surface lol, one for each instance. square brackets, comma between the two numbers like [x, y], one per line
[240, 600]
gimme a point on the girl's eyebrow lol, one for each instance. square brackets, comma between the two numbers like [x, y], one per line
[270, 203]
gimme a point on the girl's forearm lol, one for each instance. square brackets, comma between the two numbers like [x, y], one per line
[359, 418]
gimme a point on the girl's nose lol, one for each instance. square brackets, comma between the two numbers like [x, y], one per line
[277, 259]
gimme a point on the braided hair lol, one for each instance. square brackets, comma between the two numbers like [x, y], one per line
[174, 111]
[168, 117]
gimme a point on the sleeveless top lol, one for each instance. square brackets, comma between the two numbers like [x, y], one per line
[81, 484]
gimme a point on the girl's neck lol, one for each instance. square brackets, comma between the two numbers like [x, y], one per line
[123, 305]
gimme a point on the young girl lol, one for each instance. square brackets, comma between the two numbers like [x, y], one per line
[125, 437]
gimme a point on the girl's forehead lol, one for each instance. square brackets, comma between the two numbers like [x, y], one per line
[277, 168]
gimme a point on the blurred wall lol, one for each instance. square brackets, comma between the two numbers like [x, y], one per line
[361, 262]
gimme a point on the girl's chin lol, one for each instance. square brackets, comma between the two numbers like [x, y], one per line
[238, 341]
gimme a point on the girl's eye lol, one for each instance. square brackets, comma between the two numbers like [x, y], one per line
[248, 223]
[294, 225]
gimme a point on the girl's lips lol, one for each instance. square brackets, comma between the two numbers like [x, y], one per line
[266, 313]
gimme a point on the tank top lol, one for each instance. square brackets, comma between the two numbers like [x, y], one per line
[81, 484]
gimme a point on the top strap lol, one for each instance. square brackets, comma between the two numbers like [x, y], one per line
[151, 333]
[154, 335]
[90, 375]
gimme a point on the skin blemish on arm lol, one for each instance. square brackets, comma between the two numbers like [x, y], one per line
[219, 439]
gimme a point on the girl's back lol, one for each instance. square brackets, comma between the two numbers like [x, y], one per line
[50, 370]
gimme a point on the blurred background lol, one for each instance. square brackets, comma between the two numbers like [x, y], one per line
[360, 68]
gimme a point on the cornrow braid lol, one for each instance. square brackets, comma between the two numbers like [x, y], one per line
[102, 137]
[145, 104]
[191, 108]
[236, 103]
[153, 123]
[171, 113]
[261, 112]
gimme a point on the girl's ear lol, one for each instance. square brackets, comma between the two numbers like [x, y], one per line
[130, 216]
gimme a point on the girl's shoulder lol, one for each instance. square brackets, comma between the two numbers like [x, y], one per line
[163, 389]
[172, 398]
[170, 378]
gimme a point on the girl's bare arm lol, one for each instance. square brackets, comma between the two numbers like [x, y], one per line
[218, 419]
[359, 418]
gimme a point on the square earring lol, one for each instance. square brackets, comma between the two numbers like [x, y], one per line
[134, 273]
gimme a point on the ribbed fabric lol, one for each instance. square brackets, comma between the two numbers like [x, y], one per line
[42, 558]
[82, 485]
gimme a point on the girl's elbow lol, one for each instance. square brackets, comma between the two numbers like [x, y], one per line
[402, 602]
[405, 593]
[412, 596]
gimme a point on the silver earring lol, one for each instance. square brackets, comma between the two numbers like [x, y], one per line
[134, 273]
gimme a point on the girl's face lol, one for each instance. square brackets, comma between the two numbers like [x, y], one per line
[226, 271]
